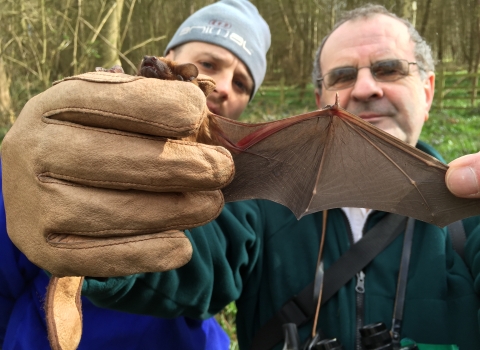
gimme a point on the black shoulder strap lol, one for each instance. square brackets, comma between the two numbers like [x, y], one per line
[458, 237]
[301, 307]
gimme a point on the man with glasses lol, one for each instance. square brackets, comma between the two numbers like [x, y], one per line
[258, 254]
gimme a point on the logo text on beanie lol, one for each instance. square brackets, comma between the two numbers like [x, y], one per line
[219, 23]
[219, 31]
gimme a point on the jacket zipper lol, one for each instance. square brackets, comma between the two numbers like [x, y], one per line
[359, 293]
[359, 296]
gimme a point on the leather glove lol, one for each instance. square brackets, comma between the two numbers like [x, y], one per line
[99, 178]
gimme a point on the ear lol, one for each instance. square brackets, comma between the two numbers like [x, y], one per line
[188, 71]
[429, 88]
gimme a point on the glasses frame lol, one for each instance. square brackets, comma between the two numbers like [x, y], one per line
[322, 78]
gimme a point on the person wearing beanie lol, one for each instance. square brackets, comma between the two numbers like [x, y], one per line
[228, 41]
[234, 25]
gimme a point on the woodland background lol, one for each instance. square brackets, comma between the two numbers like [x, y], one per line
[42, 41]
[45, 40]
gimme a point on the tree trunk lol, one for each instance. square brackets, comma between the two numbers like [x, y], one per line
[112, 32]
[425, 18]
[7, 115]
[440, 31]
[407, 10]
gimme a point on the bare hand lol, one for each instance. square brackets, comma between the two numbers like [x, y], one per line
[463, 176]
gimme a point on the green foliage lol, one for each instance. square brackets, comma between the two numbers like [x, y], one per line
[456, 89]
[3, 131]
[277, 102]
[453, 132]
[226, 319]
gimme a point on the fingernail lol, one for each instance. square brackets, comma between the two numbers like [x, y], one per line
[463, 182]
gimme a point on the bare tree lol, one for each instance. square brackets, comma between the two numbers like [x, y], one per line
[46, 40]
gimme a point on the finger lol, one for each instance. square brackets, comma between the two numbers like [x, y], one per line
[463, 176]
[104, 233]
[127, 103]
[157, 252]
[102, 213]
[110, 159]
[110, 233]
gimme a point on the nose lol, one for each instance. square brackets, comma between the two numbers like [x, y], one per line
[149, 59]
[366, 87]
[223, 87]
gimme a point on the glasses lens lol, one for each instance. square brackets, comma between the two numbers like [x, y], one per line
[390, 70]
[340, 78]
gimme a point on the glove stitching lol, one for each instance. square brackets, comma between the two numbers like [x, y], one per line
[63, 177]
[103, 78]
[121, 243]
[165, 228]
[51, 113]
[47, 120]
[219, 149]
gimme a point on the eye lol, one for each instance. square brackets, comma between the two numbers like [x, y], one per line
[206, 65]
[340, 76]
[389, 69]
[242, 86]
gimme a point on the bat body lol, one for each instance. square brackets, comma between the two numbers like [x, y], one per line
[163, 68]
[326, 159]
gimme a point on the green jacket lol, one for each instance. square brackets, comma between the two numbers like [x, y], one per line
[257, 253]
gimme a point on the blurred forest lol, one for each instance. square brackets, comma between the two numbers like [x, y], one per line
[45, 40]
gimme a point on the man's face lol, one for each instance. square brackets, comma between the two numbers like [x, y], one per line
[233, 82]
[399, 107]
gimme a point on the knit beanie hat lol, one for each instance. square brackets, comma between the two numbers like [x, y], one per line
[234, 25]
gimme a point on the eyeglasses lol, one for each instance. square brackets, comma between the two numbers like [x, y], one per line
[383, 71]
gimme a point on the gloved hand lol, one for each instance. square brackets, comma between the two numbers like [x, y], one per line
[97, 179]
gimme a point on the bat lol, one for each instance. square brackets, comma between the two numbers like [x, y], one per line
[326, 159]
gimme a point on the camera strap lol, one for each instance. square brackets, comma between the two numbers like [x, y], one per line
[402, 284]
[458, 237]
[300, 308]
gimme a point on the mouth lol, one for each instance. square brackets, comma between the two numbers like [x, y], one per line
[152, 68]
[149, 72]
[371, 118]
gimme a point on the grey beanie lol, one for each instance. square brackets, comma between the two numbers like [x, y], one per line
[234, 25]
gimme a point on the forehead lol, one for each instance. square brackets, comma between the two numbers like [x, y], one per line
[199, 47]
[366, 40]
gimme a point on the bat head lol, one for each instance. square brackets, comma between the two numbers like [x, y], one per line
[163, 68]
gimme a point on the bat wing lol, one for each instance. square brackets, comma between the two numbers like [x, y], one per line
[330, 159]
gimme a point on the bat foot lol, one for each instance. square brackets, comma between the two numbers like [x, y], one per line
[114, 69]
[336, 105]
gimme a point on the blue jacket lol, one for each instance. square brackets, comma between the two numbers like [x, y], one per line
[22, 318]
